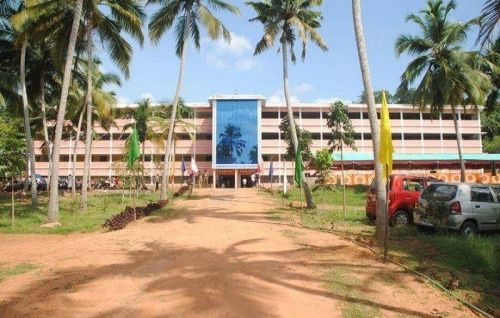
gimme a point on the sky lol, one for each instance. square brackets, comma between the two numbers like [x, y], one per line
[220, 68]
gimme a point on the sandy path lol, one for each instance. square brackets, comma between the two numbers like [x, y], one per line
[218, 256]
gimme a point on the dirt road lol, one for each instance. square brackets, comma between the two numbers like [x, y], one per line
[218, 255]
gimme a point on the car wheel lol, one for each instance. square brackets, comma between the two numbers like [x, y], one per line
[468, 229]
[401, 219]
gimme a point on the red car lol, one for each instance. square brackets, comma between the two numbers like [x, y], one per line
[404, 191]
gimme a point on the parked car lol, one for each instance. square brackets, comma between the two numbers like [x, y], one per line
[469, 208]
[404, 191]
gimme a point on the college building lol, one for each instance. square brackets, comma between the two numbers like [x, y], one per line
[234, 133]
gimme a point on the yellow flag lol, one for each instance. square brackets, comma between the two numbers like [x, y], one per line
[386, 148]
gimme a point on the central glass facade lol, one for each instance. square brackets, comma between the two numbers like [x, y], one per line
[237, 134]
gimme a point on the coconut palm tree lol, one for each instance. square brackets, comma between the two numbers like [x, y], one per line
[448, 75]
[287, 21]
[186, 15]
[142, 116]
[489, 22]
[381, 215]
[19, 38]
[127, 16]
[35, 17]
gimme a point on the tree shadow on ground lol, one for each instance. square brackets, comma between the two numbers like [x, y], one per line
[236, 280]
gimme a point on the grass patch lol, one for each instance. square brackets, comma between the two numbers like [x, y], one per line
[340, 283]
[470, 267]
[101, 205]
[16, 270]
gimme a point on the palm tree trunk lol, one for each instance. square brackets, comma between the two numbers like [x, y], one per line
[44, 124]
[53, 209]
[459, 144]
[293, 131]
[75, 149]
[164, 177]
[27, 127]
[88, 133]
[372, 114]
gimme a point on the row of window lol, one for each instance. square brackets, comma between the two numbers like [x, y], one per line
[357, 115]
[352, 115]
[395, 136]
[119, 158]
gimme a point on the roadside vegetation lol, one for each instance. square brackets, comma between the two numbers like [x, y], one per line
[468, 267]
[100, 207]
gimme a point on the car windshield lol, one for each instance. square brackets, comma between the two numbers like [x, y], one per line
[442, 192]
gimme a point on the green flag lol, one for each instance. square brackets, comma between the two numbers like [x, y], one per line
[133, 152]
[298, 167]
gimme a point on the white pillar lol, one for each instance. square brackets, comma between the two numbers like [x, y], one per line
[422, 142]
[441, 138]
[214, 176]
[403, 144]
[110, 154]
[236, 179]
[362, 130]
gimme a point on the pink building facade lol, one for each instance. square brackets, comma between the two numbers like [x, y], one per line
[414, 132]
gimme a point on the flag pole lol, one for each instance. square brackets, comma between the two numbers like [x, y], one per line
[386, 231]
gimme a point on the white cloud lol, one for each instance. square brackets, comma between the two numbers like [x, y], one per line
[244, 64]
[123, 100]
[332, 100]
[278, 97]
[303, 88]
[239, 45]
[236, 55]
[147, 95]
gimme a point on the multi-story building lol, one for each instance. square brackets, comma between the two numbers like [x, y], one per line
[236, 132]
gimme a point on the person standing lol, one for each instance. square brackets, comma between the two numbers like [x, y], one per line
[252, 179]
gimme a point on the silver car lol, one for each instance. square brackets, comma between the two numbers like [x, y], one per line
[469, 208]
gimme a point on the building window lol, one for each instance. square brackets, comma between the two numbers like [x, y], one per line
[120, 136]
[203, 136]
[357, 136]
[205, 115]
[468, 116]
[367, 136]
[470, 136]
[100, 158]
[354, 115]
[447, 116]
[270, 136]
[409, 136]
[432, 137]
[396, 136]
[237, 132]
[394, 115]
[316, 136]
[187, 158]
[104, 137]
[429, 116]
[270, 115]
[325, 115]
[327, 136]
[183, 136]
[310, 115]
[411, 116]
[285, 115]
[64, 158]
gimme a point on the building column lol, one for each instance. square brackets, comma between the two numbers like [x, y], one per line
[280, 173]
[441, 140]
[403, 144]
[422, 142]
[236, 185]
[110, 154]
[214, 176]
[362, 130]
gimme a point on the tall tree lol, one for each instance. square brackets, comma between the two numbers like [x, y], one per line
[186, 15]
[378, 97]
[489, 22]
[8, 9]
[126, 16]
[289, 21]
[372, 114]
[448, 75]
[53, 208]
[342, 134]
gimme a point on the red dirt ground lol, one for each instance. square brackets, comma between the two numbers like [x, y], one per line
[218, 255]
